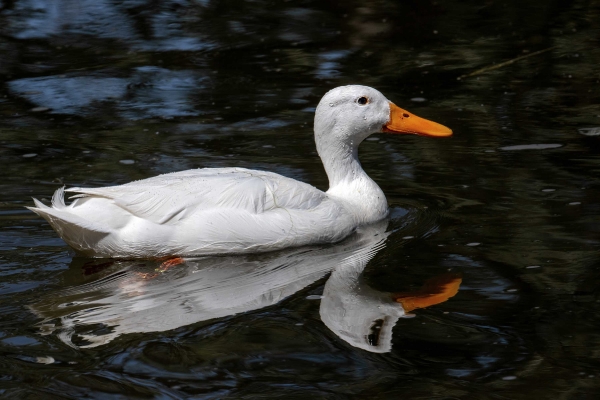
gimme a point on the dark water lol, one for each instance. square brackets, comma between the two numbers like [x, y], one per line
[101, 92]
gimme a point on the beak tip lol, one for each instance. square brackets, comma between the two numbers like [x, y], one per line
[443, 132]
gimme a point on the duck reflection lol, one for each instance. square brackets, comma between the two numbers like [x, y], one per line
[140, 299]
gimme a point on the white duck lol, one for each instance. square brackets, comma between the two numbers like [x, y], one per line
[237, 210]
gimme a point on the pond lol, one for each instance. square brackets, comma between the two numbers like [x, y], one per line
[507, 211]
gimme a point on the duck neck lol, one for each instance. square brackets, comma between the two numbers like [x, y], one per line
[348, 181]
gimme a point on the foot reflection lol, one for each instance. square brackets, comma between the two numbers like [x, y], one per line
[151, 297]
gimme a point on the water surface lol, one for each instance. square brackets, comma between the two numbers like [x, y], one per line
[99, 93]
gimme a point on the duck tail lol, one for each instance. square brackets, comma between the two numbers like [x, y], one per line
[73, 229]
[58, 198]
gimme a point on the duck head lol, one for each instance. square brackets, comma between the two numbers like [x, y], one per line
[349, 114]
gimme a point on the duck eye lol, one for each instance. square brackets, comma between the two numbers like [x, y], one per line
[362, 100]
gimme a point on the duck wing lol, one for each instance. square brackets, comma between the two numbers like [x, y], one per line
[171, 198]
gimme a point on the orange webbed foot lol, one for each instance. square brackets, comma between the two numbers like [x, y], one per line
[165, 266]
[170, 263]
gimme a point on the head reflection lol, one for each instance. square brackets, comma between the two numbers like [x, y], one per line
[139, 298]
[365, 317]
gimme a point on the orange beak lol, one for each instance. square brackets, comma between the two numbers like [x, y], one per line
[401, 121]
